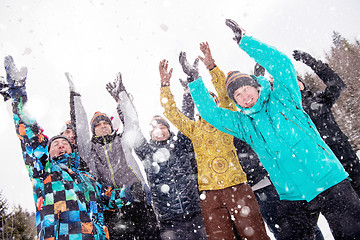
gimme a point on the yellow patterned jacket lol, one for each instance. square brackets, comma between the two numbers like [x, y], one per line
[217, 161]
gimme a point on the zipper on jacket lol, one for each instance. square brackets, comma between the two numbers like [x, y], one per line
[109, 164]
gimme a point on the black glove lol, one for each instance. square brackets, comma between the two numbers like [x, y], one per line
[116, 87]
[191, 71]
[135, 193]
[259, 70]
[304, 57]
[238, 31]
[16, 79]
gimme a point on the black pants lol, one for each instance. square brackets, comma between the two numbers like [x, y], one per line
[340, 206]
[350, 162]
[134, 221]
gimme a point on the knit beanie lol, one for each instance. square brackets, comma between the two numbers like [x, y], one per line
[216, 99]
[159, 120]
[98, 116]
[236, 80]
[57, 137]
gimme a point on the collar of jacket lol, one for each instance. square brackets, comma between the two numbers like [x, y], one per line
[104, 139]
[70, 160]
[264, 90]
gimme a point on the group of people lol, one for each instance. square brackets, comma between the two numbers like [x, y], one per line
[261, 151]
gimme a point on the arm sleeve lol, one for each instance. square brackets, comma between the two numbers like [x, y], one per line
[112, 198]
[218, 79]
[33, 141]
[277, 64]
[82, 131]
[188, 106]
[223, 119]
[171, 112]
[132, 130]
[334, 84]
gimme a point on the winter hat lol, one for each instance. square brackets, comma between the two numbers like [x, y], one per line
[216, 99]
[57, 137]
[159, 120]
[98, 116]
[236, 79]
[68, 125]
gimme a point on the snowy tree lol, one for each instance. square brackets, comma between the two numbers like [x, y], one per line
[17, 224]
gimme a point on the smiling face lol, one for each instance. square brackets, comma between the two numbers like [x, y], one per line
[59, 147]
[246, 96]
[160, 133]
[102, 128]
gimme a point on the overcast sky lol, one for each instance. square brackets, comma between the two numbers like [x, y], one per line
[93, 40]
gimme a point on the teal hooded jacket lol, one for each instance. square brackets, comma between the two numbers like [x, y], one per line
[299, 163]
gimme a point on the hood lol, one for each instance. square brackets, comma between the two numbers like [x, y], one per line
[264, 90]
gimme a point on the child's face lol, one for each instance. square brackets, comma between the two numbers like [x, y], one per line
[160, 133]
[246, 96]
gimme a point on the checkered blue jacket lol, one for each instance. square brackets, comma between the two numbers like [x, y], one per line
[69, 203]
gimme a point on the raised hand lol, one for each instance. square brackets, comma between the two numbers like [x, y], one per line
[238, 31]
[304, 57]
[191, 70]
[116, 87]
[207, 59]
[16, 79]
[165, 75]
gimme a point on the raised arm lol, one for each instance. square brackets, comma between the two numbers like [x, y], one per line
[334, 84]
[180, 121]
[33, 141]
[127, 112]
[79, 119]
[275, 62]
[223, 119]
[217, 77]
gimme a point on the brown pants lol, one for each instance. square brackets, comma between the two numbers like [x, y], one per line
[233, 206]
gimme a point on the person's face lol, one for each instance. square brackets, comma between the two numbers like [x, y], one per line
[69, 133]
[103, 128]
[160, 133]
[59, 147]
[246, 96]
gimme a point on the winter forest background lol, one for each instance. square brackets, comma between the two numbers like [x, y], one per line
[93, 40]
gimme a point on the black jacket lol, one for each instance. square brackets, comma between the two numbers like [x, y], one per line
[318, 106]
[171, 177]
